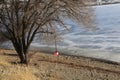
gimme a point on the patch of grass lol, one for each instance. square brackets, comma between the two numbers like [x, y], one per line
[3, 62]
[14, 72]
[17, 73]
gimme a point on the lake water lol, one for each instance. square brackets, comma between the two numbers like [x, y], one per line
[103, 43]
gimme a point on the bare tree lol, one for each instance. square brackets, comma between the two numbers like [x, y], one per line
[22, 20]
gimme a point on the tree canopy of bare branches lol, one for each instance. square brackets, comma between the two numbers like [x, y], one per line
[22, 20]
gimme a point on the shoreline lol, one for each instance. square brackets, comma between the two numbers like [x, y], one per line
[74, 56]
[88, 53]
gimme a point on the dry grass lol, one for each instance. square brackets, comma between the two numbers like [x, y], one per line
[48, 67]
[17, 73]
[10, 71]
[3, 62]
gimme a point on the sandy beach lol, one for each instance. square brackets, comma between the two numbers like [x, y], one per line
[44, 66]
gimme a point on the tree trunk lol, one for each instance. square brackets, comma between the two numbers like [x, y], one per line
[22, 52]
[26, 59]
[22, 58]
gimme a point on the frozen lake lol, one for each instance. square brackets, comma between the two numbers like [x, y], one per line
[103, 43]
